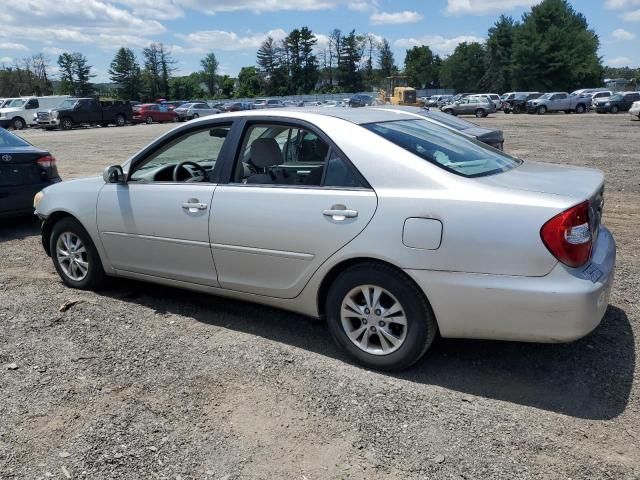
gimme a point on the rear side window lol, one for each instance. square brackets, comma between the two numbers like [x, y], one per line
[447, 149]
[9, 140]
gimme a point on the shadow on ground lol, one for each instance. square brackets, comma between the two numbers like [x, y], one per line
[590, 378]
[18, 228]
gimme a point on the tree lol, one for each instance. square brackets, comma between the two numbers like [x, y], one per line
[26, 77]
[499, 45]
[209, 72]
[309, 73]
[335, 47]
[554, 49]
[249, 83]
[464, 68]
[227, 85]
[386, 62]
[75, 73]
[349, 61]
[151, 72]
[125, 73]
[275, 74]
[421, 66]
[166, 69]
[67, 77]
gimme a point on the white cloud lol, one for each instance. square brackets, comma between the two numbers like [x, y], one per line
[362, 5]
[13, 46]
[632, 16]
[622, 34]
[384, 18]
[483, 7]
[5, 60]
[621, 4]
[206, 40]
[619, 62]
[212, 7]
[437, 43]
[53, 50]
[156, 9]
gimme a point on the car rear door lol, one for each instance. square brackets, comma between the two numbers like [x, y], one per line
[289, 206]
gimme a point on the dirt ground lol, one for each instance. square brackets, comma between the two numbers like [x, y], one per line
[145, 382]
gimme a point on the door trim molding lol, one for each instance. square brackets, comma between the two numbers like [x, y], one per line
[264, 251]
[194, 243]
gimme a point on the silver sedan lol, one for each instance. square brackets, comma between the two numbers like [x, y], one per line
[189, 111]
[389, 226]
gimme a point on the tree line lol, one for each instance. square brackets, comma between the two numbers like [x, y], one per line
[550, 48]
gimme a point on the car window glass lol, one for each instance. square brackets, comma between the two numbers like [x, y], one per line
[9, 140]
[202, 147]
[339, 173]
[281, 155]
[33, 103]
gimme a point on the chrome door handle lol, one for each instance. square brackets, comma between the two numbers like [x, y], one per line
[340, 212]
[193, 205]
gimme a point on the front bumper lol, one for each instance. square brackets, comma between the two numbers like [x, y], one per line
[562, 306]
[48, 123]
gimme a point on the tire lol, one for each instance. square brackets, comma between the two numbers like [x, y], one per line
[18, 123]
[66, 123]
[580, 108]
[480, 113]
[94, 276]
[614, 109]
[541, 110]
[120, 121]
[195, 115]
[148, 120]
[415, 336]
[449, 111]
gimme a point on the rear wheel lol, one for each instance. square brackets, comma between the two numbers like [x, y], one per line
[614, 109]
[580, 108]
[480, 113]
[74, 256]
[380, 317]
[541, 110]
[18, 123]
[120, 121]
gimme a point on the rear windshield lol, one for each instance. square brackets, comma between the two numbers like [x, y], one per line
[447, 149]
[9, 140]
[449, 120]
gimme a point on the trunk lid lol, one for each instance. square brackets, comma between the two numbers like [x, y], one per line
[19, 166]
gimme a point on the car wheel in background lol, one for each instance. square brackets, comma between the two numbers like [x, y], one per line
[380, 317]
[148, 120]
[17, 123]
[480, 113]
[120, 121]
[541, 110]
[195, 115]
[449, 111]
[74, 256]
[66, 123]
[580, 108]
[614, 109]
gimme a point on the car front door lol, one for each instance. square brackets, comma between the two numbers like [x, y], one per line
[292, 202]
[156, 226]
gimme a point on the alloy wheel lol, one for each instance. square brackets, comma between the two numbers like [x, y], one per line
[374, 320]
[72, 256]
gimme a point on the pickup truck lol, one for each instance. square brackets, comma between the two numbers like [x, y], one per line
[85, 111]
[558, 102]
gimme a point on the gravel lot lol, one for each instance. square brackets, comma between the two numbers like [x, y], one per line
[140, 381]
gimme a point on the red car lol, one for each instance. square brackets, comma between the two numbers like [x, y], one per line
[152, 112]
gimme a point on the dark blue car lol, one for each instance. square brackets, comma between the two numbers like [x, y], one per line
[24, 171]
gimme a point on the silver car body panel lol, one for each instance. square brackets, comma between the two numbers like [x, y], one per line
[488, 276]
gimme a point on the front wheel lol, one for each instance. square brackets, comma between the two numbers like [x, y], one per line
[380, 317]
[614, 109]
[541, 110]
[449, 111]
[148, 120]
[66, 123]
[480, 113]
[74, 256]
[120, 121]
[195, 115]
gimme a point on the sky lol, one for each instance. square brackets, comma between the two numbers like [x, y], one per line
[234, 29]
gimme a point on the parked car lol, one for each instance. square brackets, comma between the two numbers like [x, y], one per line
[599, 96]
[361, 100]
[24, 171]
[189, 111]
[518, 103]
[470, 105]
[557, 102]
[635, 110]
[19, 112]
[620, 102]
[493, 97]
[268, 103]
[411, 230]
[153, 112]
[492, 137]
[85, 111]
[173, 104]
[238, 106]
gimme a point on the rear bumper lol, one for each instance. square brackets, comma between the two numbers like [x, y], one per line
[562, 306]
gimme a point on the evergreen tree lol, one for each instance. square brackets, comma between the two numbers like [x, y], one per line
[269, 60]
[82, 72]
[152, 71]
[209, 72]
[386, 62]
[421, 66]
[554, 49]
[497, 77]
[309, 73]
[166, 70]
[464, 68]
[348, 66]
[125, 73]
[67, 76]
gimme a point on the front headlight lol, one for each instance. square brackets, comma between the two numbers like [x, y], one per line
[54, 114]
[38, 198]
[608, 104]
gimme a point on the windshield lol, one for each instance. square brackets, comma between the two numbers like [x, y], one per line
[9, 140]
[616, 97]
[16, 102]
[452, 151]
[520, 96]
[67, 104]
[546, 96]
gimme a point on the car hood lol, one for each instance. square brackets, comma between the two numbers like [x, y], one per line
[575, 182]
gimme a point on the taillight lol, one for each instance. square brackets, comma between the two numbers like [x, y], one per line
[568, 235]
[47, 161]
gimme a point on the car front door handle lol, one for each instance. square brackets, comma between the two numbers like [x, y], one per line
[193, 205]
[340, 213]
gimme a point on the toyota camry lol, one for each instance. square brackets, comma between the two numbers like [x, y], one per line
[391, 227]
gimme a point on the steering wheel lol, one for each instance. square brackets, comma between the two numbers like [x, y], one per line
[200, 168]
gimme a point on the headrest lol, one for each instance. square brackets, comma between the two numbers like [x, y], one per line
[265, 152]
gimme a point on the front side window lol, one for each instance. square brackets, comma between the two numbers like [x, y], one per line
[201, 148]
[290, 155]
[445, 148]
[33, 103]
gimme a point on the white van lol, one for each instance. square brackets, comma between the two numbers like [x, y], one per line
[19, 112]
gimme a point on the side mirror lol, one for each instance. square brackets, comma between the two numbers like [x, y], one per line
[113, 174]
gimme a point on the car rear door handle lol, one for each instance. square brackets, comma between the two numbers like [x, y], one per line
[340, 213]
[193, 205]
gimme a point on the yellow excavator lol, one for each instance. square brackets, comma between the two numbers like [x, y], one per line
[398, 92]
